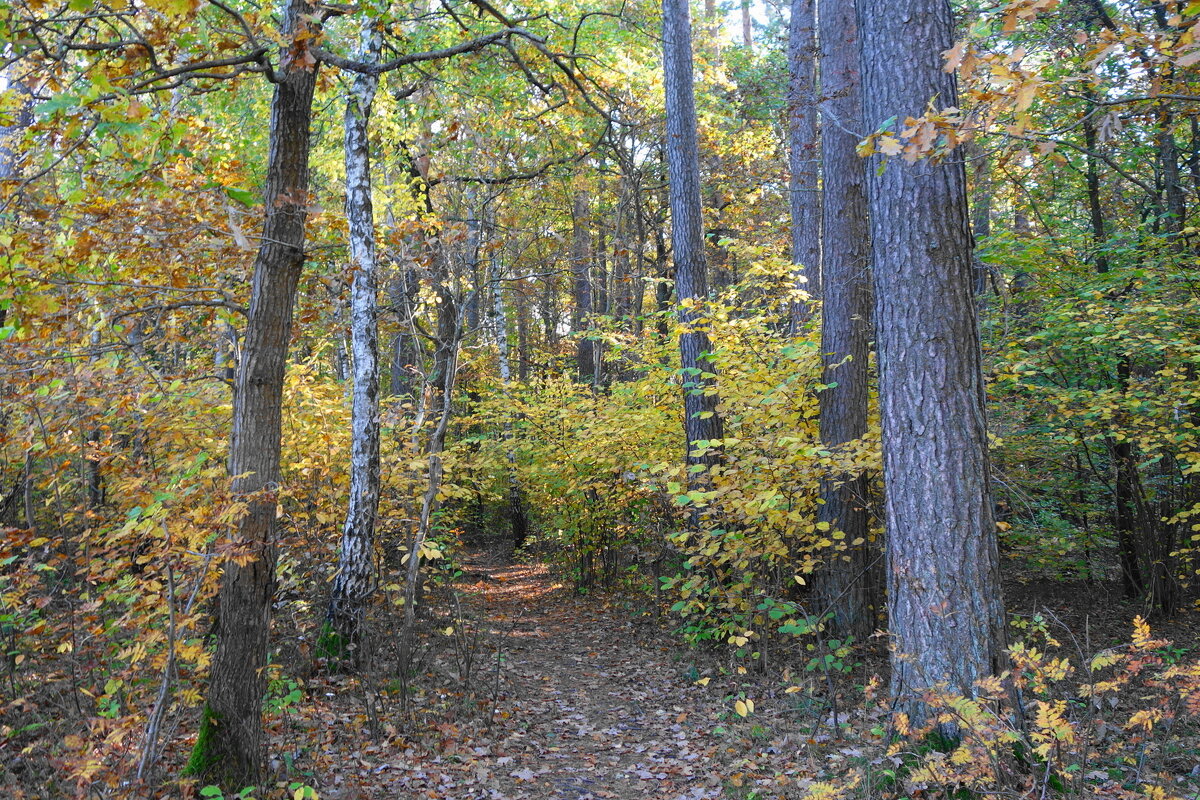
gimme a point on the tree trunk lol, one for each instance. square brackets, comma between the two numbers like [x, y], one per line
[516, 505]
[982, 189]
[803, 155]
[231, 744]
[701, 421]
[1095, 209]
[945, 608]
[843, 585]
[581, 257]
[356, 564]
[10, 150]
[406, 349]
[524, 354]
[1174, 194]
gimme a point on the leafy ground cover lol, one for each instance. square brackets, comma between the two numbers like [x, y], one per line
[525, 688]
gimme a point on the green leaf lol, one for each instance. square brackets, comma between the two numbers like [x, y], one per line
[242, 196]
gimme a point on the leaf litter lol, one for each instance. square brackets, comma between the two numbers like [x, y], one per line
[591, 701]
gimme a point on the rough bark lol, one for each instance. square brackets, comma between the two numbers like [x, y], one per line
[945, 611]
[354, 581]
[701, 421]
[803, 155]
[843, 585]
[231, 745]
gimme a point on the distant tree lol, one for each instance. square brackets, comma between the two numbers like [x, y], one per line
[844, 584]
[701, 421]
[804, 156]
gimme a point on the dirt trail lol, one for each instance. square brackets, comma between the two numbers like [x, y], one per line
[592, 703]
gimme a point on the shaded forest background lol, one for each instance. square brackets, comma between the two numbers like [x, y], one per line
[510, 355]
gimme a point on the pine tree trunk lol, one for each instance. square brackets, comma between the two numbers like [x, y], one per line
[701, 421]
[353, 583]
[843, 585]
[231, 745]
[945, 608]
[803, 155]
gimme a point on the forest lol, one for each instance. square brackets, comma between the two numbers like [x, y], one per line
[587, 399]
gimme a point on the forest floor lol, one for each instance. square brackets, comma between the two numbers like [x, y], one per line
[570, 697]
[581, 698]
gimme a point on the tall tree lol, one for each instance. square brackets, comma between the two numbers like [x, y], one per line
[352, 584]
[803, 155]
[581, 270]
[701, 421]
[843, 585]
[944, 601]
[231, 745]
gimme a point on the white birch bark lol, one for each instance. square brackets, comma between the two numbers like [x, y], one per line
[354, 581]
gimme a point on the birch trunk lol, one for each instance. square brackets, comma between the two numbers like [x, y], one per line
[353, 583]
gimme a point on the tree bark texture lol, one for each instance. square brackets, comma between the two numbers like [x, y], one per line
[231, 745]
[701, 421]
[945, 608]
[843, 585]
[803, 154]
[353, 583]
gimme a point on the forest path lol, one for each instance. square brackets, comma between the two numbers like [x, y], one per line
[594, 702]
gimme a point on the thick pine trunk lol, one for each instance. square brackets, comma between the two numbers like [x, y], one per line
[843, 586]
[945, 609]
[356, 565]
[803, 155]
[701, 421]
[231, 745]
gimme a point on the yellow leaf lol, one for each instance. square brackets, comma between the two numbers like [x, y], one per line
[741, 708]
[702, 682]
